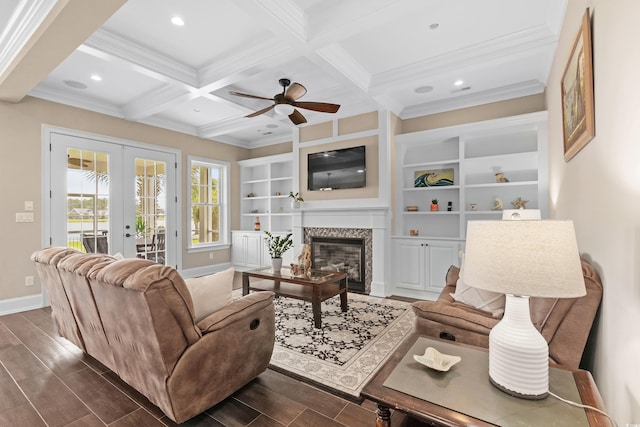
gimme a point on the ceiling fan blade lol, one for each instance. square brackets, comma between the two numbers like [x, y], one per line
[323, 107]
[295, 91]
[246, 95]
[297, 118]
[257, 113]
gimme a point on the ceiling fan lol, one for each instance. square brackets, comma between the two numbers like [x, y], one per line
[286, 102]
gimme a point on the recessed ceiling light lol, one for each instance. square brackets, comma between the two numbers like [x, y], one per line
[458, 83]
[423, 89]
[96, 78]
[434, 26]
[177, 21]
[74, 84]
[272, 126]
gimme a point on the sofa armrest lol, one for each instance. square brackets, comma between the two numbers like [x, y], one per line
[235, 311]
[455, 314]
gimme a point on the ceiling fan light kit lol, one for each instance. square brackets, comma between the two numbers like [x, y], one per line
[285, 103]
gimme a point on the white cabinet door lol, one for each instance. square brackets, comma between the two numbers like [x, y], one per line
[407, 264]
[247, 249]
[420, 266]
[255, 250]
[441, 255]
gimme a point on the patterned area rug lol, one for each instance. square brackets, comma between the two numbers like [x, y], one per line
[349, 348]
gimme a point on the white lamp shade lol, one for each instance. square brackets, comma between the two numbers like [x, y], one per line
[537, 258]
[284, 109]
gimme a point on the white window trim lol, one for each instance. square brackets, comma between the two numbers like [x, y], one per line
[225, 211]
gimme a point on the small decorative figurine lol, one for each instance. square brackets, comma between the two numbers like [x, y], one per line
[501, 178]
[473, 206]
[256, 225]
[449, 206]
[413, 232]
[302, 266]
[519, 203]
[497, 205]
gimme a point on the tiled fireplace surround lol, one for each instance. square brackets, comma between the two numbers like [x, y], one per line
[372, 224]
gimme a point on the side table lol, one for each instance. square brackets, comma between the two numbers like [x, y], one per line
[403, 384]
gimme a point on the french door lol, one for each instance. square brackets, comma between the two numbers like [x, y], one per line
[112, 197]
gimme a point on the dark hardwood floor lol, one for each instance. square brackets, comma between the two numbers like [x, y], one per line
[47, 381]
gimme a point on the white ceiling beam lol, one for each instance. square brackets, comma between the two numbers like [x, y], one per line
[156, 101]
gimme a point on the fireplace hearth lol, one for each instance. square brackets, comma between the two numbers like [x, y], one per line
[340, 254]
[343, 249]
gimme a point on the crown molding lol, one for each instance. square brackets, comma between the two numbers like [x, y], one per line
[73, 100]
[513, 45]
[341, 60]
[156, 101]
[519, 90]
[23, 24]
[107, 45]
[288, 14]
[169, 124]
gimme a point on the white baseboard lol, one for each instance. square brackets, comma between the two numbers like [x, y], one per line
[16, 305]
[31, 302]
[203, 271]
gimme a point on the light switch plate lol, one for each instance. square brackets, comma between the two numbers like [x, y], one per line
[24, 217]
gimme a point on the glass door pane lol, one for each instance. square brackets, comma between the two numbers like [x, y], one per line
[151, 207]
[87, 200]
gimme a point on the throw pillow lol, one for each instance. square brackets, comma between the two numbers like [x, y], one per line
[210, 293]
[478, 298]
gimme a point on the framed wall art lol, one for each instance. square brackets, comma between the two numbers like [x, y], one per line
[578, 116]
[433, 178]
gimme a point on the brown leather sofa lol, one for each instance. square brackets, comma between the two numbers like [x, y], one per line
[565, 322]
[137, 318]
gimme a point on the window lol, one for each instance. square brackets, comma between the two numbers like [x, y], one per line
[209, 207]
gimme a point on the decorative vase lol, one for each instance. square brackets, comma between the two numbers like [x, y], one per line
[434, 207]
[276, 264]
[295, 205]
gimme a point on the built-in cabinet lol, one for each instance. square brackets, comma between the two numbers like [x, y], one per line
[466, 159]
[420, 265]
[249, 249]
[265, 186]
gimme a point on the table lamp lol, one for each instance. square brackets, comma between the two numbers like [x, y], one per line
[522, 259]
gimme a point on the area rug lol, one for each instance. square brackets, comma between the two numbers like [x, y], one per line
[349, 349]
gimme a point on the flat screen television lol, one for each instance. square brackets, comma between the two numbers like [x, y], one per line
[337, 169]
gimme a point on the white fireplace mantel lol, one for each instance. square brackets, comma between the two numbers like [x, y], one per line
[376, 218]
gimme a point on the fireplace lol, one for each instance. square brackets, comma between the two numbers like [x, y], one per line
[343, 249]
[340, 254]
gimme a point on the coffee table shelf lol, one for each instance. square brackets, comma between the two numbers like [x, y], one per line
[319, 286]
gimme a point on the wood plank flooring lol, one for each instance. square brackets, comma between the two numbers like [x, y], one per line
[47, 381]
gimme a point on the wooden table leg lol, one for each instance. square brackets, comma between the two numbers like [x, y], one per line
[245, 283]
[343, 294]
[315, 306]
[383, 418]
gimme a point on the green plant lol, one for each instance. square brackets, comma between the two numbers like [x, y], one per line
[140, 225]
[296, 197]
[278, 245]
[434, 201]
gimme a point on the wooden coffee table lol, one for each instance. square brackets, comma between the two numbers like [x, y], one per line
[433, 414]
[319, 286]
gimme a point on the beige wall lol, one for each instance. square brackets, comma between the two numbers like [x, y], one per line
[600, 190]
[495, 110]
[270, 150]
[20, 142]
[345, 127]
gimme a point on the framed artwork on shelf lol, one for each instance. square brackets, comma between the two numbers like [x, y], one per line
[433, 178]
[578, 116]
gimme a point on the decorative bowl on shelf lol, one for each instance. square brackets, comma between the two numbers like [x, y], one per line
[433, 359]
[412, 208]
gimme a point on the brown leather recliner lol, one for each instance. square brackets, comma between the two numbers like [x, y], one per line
[140, 316]
[565, 323]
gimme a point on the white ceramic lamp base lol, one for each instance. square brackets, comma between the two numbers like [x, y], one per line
[518, 354]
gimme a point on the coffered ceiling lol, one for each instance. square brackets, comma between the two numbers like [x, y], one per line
[400, 55]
